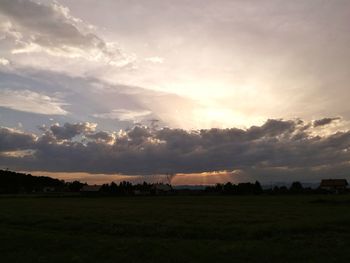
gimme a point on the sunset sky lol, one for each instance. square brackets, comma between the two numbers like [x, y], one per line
[201, 91]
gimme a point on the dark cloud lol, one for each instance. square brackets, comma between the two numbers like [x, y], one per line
[15, 140]
[51, 21]
[325, 121]
[271, 128]
[51, 27]
[68, 130]
[288, 148]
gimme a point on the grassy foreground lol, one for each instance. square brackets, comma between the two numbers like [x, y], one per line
[176, 229]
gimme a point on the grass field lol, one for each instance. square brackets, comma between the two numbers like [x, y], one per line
[176, 229]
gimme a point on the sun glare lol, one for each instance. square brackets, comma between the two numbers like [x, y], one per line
[220, 117]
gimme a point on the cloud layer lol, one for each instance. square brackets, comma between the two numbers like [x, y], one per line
[286, 149]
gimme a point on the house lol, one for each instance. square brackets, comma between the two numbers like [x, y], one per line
[49, 189]
[141, 192]
[334, 185]
[90, 189]
[161, 188]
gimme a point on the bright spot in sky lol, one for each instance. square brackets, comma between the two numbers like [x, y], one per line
[223, 118]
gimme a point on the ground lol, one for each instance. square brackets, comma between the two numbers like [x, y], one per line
[175, 229]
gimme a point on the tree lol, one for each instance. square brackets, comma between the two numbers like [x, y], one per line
[296, 187]
[113, 188]
[75, 186]
[257, 188]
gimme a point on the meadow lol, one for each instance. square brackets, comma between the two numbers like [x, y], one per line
[313, 228]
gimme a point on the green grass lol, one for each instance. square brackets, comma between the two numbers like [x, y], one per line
[176, 229]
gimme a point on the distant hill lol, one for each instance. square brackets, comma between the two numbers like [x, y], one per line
[13, 182]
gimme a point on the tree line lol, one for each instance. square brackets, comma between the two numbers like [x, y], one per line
[256, 189]
[16, 183]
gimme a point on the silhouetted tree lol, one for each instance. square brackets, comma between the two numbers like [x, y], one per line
[75, 186]
[105, 189]
[12, 182]
[113, 188]
[257, 188]
[296, 187]
[228, 188]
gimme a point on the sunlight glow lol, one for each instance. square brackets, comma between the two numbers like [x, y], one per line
[220, 117]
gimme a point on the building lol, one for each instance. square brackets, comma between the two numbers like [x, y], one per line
[334, 185]
[161, 189]
[90, 188]
[49, 189]
[142, 192]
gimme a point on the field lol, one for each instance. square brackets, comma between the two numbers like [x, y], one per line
[175, 229]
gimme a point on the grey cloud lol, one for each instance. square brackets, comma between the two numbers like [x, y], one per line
[259, 151]
[325, 121]
[11, 140]
[139, 134]
[84, 99]
[52, 27]
[272, 128]
[68, 130]
[101, 136]
[50, 21]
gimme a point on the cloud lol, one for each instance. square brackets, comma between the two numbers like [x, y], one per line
[112, 106]
[11, 139]
[124, 114]
[101, 136]
[35, 27]
[325, 121]
[279, 149]
[4, 62]
[30, 101]
[159, 60]
[277, 51]
[68, 130]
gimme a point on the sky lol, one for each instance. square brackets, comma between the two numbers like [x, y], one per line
[191, 91]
